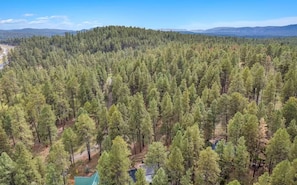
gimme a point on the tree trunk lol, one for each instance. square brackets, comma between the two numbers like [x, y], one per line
[72, 154]
[49, 135]
[154, 130]
[73, 104]
[89, 150]
[37, 134]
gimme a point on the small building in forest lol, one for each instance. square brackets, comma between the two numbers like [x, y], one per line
[92, 180]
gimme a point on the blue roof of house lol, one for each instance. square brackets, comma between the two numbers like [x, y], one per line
[93, 180]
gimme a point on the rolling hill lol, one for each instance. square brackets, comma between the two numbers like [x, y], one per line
[29, 32]
[268, 31]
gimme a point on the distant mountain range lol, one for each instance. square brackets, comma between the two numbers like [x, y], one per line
[29, 32]
[267, 31]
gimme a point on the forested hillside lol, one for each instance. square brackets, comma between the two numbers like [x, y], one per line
[208, 110]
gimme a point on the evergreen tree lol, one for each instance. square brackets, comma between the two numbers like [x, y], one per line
[46, 127]
[281, 174]
[7, 170]
[241, 161]
[234, 182]
[119, 161]
[106, 143]
[249, 131]
[69, 139]
[4, 144]
[160, 178]
[175, 165]
[290, 110]
[156, 155]
[278, 148]
[26, 171]
[234, 127]
[187, 178]
[104, 170]
[20, 128]
[264, 179]
[117, 126]
[226, 152]
[207, 171]
[293, 150]
[140, 125]
[53, 177]
[167, 113]
[154, 113]
[292, 129]
[58, 157]
[192, 144]
[85, 128]
[140, 177]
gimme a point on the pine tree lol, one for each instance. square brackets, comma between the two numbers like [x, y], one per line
[4, 144]
[140, 177]
[207, 171]
[241, 161]
[234, 182]
[116, 124]
[258, 80]
[69, 139]
[187, 178]
[177, 140]
[281, 174]
[119, 161]
[7, 169]
[227, 155]
[34, 103]
[293, 150]
[264, 179]
[192, 144]
[106, 143]
[26, 171]
[53, 177]
[104, 170]
[249, 131]
[58, 157]
[156, 155]
[167, 113]
[234, 127]
[160, 178]
[290, 110]
[20, 128]
[46, 127]
[292, 129]
[278, 148]
[140, 125]
[178, 107]
[175, 165]
[85, 128]
[154, 113]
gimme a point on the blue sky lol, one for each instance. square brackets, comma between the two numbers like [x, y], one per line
[154, 14]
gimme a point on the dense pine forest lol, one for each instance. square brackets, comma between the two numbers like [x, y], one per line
[205, 110]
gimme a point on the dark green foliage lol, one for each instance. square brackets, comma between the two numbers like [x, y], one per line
[160, 178]
[144, 86]
[278, 148]
[140, 177]
[7, 169]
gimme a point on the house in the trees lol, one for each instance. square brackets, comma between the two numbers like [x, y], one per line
[92, 180]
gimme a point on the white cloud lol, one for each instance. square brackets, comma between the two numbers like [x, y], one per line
[51, 21]
[243, 23]
[28, 15]
[11, 21]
